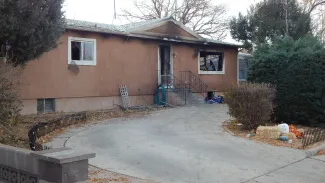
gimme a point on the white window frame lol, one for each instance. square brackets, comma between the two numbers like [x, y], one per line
[81, 62]
[211, 72]
[241, 55]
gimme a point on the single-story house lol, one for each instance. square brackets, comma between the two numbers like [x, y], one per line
[92, 60]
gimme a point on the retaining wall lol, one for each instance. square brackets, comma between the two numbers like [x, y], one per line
[63, 165]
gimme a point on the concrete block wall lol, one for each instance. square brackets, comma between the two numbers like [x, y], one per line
[62, 165]
[17, 164]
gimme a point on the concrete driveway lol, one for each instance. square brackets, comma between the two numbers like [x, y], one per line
[188, 145]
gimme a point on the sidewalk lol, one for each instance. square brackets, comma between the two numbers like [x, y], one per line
[311, 170]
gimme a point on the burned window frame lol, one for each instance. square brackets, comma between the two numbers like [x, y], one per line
[211, 52]
[81, 62]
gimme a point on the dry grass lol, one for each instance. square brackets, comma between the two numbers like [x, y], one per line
[97, 175]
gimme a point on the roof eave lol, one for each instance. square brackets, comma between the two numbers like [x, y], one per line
[94, 30]
[202, 42]
[225, 44]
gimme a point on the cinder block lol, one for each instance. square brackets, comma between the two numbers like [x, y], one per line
[63, 165]
[64, 173]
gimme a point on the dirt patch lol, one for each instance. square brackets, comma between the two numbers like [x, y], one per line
[97, 175]
[235, 129]
[321, 153]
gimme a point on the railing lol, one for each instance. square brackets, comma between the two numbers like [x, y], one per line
[194, 83]
[176, 85]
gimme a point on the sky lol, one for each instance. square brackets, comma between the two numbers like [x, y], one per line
[102, 11]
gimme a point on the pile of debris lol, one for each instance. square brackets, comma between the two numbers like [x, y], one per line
[283, 132]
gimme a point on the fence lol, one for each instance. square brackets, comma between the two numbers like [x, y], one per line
[312, 136]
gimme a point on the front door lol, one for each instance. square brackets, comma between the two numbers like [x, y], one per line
[165, 65]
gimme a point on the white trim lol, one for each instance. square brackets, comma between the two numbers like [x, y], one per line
[241, 55]
[158, 71]
[82, 62]
[211, 72]
[171, 63]
[238, 68]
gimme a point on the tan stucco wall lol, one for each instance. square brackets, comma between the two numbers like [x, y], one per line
[120, 60]
[29, 107]
[186, 59]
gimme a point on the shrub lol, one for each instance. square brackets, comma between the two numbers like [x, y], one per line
[296, 68]
[9, 103]
[251, 103]
[29, 28]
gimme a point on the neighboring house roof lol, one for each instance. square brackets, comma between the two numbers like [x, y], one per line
[137, 29]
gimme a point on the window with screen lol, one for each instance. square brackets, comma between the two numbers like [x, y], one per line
[46, 105]
[82, 51]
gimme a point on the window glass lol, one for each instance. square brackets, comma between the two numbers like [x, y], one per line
[88, 51]
[75, 50]
[49, 105]
[45, 105]
[210, 61]
[243, 68]
[82, 50]
[40, 105]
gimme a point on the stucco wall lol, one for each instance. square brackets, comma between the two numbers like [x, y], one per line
[185, 59]
[120, 60]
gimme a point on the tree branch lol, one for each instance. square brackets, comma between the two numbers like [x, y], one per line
[199, 15]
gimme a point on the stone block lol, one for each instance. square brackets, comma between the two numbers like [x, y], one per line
[63, 165]
[64, 173]
[75, 171]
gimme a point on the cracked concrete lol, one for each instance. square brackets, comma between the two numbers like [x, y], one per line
[188, 145]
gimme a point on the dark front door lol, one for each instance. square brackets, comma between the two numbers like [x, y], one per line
[165, 64]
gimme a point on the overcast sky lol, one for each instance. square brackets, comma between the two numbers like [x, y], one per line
[102, 11]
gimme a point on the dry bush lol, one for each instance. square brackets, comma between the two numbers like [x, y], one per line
[251, 103]
[10, 105]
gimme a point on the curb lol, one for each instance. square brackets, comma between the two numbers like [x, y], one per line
[313, 152]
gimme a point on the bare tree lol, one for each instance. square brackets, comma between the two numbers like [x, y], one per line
[311, 5]
[10, 79]
[315, 8]
[200, 15]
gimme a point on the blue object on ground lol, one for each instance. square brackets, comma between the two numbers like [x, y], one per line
[214, 100]
[284, 138]
[163, 100]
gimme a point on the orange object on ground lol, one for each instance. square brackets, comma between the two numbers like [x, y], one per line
[294, 130]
